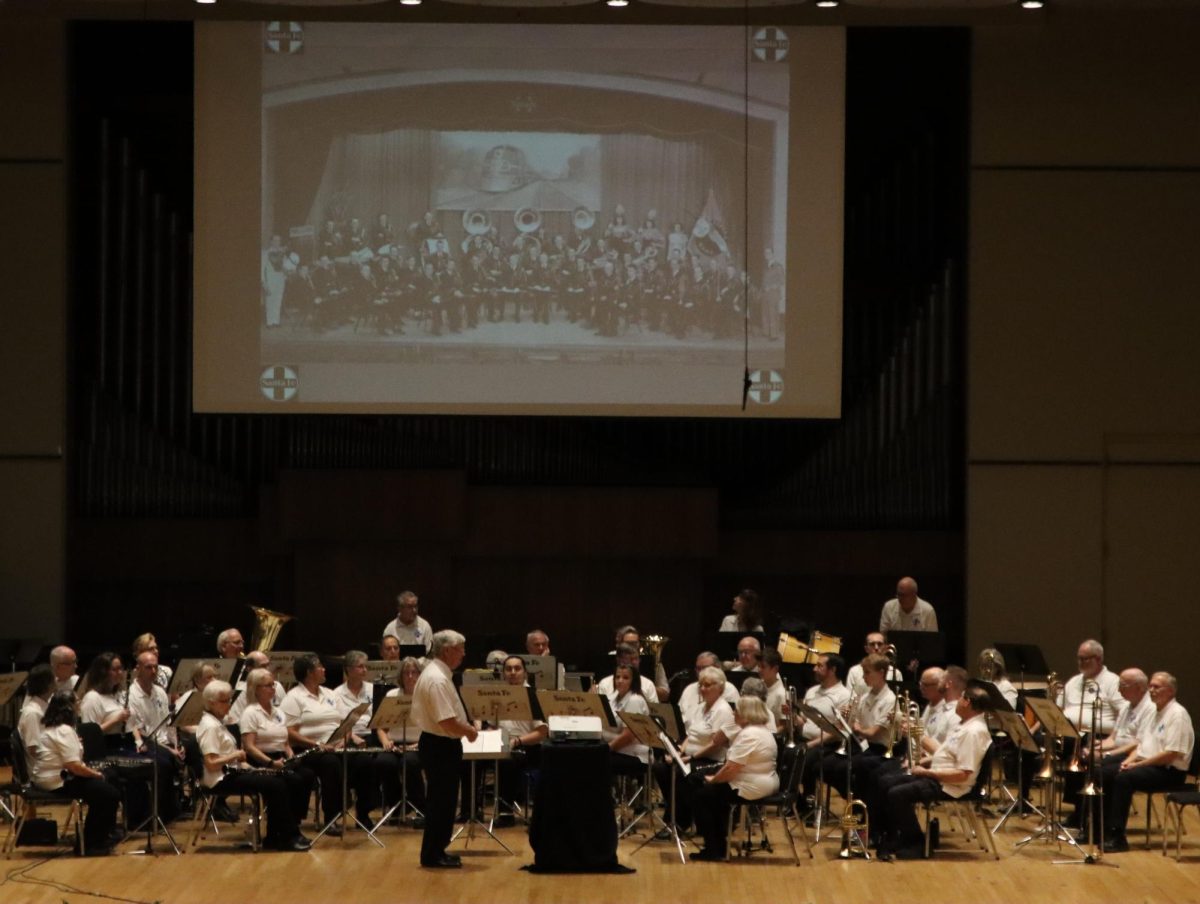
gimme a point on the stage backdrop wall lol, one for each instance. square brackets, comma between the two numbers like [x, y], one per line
[1084, 406]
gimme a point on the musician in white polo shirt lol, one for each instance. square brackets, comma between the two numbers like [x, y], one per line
[439, 714]
[408, 627]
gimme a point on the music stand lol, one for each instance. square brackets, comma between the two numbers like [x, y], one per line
[837, 728]
[415, 650]
[488, 745]
[280, 663]
[923, 647]
[576, 703]
[670, 718]
[154, 823]
[496, 703]
[341, 735]
[1056, 725]
[383, 671]
[394, 712]
[649, 730]
[182, 679]
[541, 669]
[10, 683]
[1014, 726]
[1023, 658]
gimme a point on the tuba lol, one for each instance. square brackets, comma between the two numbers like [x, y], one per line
[528, 221]
[267, 624]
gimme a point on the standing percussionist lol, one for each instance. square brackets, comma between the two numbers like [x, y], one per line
[439, 714]
[907, 611]
[408, 626]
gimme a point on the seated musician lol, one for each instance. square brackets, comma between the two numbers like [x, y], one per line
[255, 659]
[748, 773]
[951, 771]
[1158, 763]
[876, 643]
[352, 692]
[748, 652]
[1137, 711]
[691, 694]
[524, 741]
[284, 793]
[105, 697]
[991, 668]
[146, 642]
[409, 627]
[777, 696]
[230, 643]
[64, 663]
[310, 713]
[710, 725]
[401, 742]
[628, 756]
[870, 719]
[627, 654]
[39, 688]
[148, 708]
[389, 648]
[1077, 696]
[537, 643]
[828, 696]
[662, 689]
[58, 765]
[755, 687]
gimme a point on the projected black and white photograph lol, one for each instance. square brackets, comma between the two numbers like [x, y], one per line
[592, 194]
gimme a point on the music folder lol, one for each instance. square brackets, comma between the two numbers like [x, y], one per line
[672, 721]
[1013, 725]
[340, 733]
[383, 671]
[1053, 719]
[9, 683]
[576, 703]
[646, 729]
[496, 703]
[392, 712]
[281, 664]
[191, 712]
[182, 679]
[999, 704]
[542, 670]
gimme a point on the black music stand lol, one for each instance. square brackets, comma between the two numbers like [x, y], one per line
[341, 735]
[391, 712]
[488, 745]
[1056, 725]
[650, 731]
[1013, 725]
[923, 647]
[1023, 659]
[837, 728]
[153, 823]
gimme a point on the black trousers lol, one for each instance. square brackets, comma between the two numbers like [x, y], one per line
[902, 792]
[685, 789]
[102, 799]
[711, 804]
[1123, 786]
[285, 794]
[440, 759]
[360, 777]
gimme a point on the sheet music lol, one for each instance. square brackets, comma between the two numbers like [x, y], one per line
[491, 741]
[685, 768]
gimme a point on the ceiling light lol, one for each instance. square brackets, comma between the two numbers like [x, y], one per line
[828, 4]
[1032, 4]
[410, 2]
[617, 2]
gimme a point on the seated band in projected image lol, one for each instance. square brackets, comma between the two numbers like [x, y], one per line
[542, 285]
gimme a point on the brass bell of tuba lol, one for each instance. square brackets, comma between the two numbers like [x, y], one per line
[267, 624]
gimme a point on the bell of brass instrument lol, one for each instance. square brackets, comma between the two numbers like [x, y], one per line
[1076, 763]
[854, 818]
[653, 644]
[790, 718]
[915, 730]
[1047, 770]
[267, 624]
[987, 670]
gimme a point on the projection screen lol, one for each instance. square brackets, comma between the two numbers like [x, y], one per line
[524, 219]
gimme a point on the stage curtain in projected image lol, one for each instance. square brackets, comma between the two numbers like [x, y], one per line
[379, 172]
[673, 177]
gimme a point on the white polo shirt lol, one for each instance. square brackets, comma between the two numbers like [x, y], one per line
[435, 698]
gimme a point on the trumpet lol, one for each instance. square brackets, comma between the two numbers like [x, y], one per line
[843, 722]
[914, 729]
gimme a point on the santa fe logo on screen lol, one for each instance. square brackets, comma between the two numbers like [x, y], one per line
[279, 383]
[766, 387]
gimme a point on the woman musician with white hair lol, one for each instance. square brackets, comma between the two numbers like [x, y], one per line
[284, 793]
[748, 774]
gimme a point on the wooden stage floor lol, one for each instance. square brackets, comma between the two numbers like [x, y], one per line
[355, 870]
